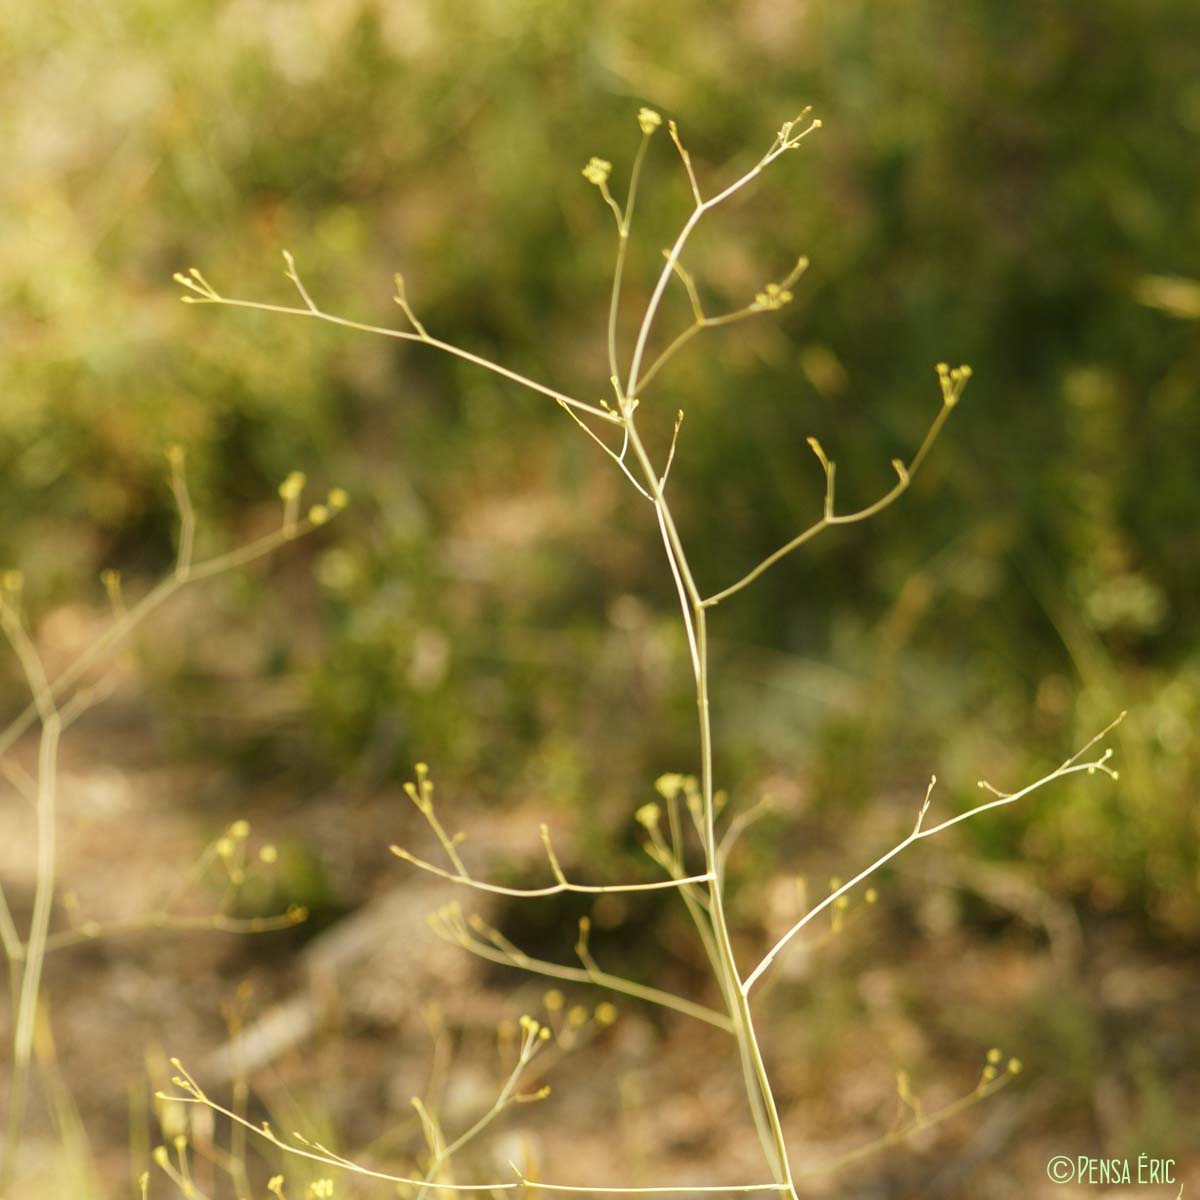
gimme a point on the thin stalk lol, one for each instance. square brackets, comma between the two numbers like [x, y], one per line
[474, 934]
[43, 899]
[623, 222]
[442, 1156]
[131, 618]
[759, 1092]
[670, 266]
[830, 518]
[406, 336]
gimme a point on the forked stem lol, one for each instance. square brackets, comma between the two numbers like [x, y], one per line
[54, 704]
[703, 892]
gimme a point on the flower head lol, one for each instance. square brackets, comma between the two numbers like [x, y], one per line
[597, 171]
[293, 485]
[648, 816]
[773, 297]
[649, 120]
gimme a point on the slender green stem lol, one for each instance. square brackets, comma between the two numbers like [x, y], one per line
[706, 908]
[904, 1134]
[214, 923]
[105, 642]
[152, 600]
[407, 336]
[553, 889]
[10, 939]
[701, 321]
[623, 222]
[500, 950]
[710, 918]
[27, 959]
[43, 898]
[634, 377]
[1071, 767]
[829, 518]
[443, 1155]
[760, 1094]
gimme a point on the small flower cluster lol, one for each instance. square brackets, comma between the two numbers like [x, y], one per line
[337, 499]
[290, 490]
[995, 1056]
[533, 1029]
[648, 816]
[421, 792]
[648, 120]
[195, 282]
[230, 848]
[842, 903]
[226, 846]
[293, 485]
[672, 786]
[597, 171]
[788, 137]
[773, 297]
[953, 381]
[319, 1189]
[577, 1016]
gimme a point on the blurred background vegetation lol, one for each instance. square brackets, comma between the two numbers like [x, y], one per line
[996, 184]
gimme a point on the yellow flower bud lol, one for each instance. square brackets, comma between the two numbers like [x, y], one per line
[293, 485]
[648, 120]
[648, 816]
[597, 171]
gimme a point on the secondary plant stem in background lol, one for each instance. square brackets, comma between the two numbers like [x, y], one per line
[26, 957]
[30, 968]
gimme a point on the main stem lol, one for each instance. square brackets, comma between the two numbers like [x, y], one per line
[759, 1092]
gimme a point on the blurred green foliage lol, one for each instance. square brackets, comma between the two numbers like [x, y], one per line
[992, 183]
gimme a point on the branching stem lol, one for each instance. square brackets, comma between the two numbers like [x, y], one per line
[1072, 766]
[54, 706]
[703, 893]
